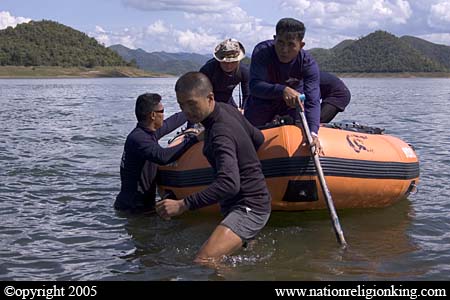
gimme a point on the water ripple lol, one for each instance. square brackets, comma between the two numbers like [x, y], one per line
[60, 150]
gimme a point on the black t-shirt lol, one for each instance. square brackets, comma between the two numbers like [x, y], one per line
[140, 159]
[230, 146]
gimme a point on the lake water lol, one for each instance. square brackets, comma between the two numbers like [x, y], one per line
[60, 149]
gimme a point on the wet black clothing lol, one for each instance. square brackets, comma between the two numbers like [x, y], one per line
[224, 84]
[333, 91]
[230, 146]
[140, 157]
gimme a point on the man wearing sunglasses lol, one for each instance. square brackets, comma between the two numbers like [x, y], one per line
[142, 154]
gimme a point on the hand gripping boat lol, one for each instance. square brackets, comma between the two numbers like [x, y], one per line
[363, 168]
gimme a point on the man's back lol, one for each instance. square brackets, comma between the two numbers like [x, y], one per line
[239, 185]
[136, 174]
[230, 147]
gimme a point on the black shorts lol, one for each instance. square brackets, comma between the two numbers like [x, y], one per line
[245, 223]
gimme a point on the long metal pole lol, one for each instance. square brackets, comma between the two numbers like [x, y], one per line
[326, 192]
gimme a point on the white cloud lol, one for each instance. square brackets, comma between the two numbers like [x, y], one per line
[439, 16]
[343, 15]
[196, 41]
[236, 23]
[206, 24]
[325, 40]
[128, 41]
[157, 28]
[99, 29]
[194, 6]
[438, 38]
[200, 33]
[298, 6]
[201, 24]
[158, 37]
[7, 20]
[103, 39]
[404, 10]
[127, 37]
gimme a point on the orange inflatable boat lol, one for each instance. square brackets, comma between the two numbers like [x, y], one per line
[363, 168]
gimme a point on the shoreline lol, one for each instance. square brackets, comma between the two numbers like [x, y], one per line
[395, 75]
[48, 72]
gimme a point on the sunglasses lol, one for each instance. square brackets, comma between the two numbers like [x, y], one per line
[159, 111]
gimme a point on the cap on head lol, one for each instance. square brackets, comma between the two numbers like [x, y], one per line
[229, 50]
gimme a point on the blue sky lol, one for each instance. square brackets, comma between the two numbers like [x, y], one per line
[198, 25]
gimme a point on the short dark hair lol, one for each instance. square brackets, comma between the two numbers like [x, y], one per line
[291, 26]
[145, 104]
[194, 81]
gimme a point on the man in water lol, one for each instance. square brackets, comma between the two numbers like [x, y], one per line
[239, 186]
[142, 153]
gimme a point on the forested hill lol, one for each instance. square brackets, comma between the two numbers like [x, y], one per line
[382, 52]
[48, 43]
[438, 53]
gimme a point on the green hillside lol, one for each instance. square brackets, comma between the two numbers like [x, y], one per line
[439, 53]
[48, 43]
[378, 52]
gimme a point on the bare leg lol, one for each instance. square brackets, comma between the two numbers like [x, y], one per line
[223, 241]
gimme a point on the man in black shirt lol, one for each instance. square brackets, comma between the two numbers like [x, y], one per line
[142, 153]
[239, 186]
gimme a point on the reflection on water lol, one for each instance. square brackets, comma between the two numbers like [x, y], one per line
[299, 244]
[59, 155]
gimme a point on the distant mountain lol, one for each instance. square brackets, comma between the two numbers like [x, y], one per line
[342, 45]
[436, 52]
[381, 52]
[321, 55]
[162, 62]
[48, 43]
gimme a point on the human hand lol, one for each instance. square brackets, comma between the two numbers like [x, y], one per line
[316, 144]
[201, 135]
[197, 132]
[170, 208]
[291, 97]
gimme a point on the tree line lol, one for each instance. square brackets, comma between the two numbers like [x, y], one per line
[378, 52]
[48, 43]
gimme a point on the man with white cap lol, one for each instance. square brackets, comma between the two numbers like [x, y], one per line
[226, 71]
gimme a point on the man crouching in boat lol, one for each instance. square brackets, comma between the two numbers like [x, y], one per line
[239, 187]
[142, 153]
[335, 96]
[280, 71]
